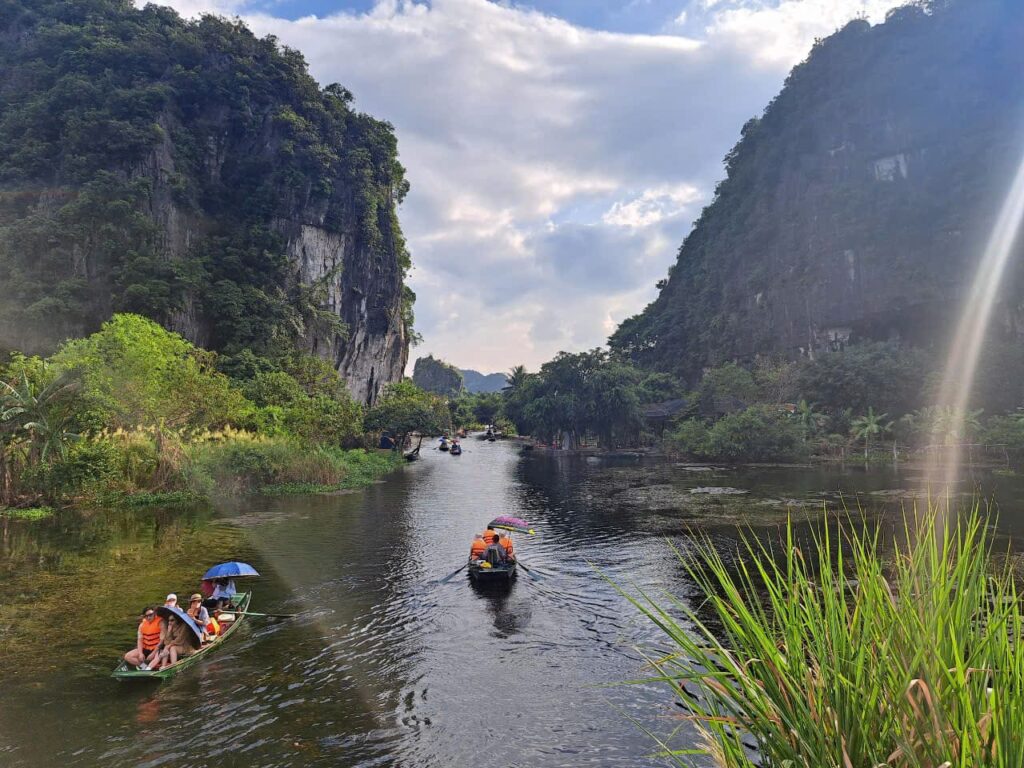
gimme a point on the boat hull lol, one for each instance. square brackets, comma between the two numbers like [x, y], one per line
[124, 671]
[501, 574]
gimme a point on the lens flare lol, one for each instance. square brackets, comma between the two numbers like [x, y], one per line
[943, 470]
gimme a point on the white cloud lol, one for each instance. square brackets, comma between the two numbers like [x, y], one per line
[652, 206]
[554, 169]
[779, 33]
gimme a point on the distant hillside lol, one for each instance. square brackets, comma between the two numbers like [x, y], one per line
[435, 375]
[483, 382]
[858, 205]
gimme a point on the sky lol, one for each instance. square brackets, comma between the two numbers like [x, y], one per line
[558, 150]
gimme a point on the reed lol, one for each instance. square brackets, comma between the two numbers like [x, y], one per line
[867, 650]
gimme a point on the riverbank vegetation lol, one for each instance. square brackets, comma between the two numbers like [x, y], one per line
[866, 402]
[850, 649]
[136, 414]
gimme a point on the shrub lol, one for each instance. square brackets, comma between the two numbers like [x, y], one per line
[759, 433]
[135, 373]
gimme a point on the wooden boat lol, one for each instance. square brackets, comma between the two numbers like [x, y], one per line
[456, 450]
[495, 574]
[443, 447]
[126, 671]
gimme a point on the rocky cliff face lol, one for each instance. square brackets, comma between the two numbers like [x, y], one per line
[195, 174]
[858, 206]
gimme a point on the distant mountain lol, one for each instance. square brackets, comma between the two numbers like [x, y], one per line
[482, 382]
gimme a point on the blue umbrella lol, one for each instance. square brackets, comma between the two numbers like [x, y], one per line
[180, 615]
[230, 570]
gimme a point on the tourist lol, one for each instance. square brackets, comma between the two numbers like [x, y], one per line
[147, 640]
[223, 591]
[176, 641]
[477, 548]
[198, 612]
[495, 554]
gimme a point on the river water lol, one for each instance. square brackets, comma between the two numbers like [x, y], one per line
[385, 666]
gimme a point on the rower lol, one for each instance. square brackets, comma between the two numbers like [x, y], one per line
[495, 554]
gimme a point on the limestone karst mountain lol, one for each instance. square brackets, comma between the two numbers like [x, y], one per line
[193, 173]
[858, 205]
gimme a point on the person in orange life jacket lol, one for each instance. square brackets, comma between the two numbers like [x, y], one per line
[147, 640]
[476, 549]
[495, 554]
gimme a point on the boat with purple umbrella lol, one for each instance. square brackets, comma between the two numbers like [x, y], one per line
[484, 570]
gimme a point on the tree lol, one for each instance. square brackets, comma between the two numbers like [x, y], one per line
[515, 378]
[404, 409]
[868, 426]
[810, 420]
[135, 373]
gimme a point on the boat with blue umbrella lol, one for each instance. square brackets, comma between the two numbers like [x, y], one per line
[229, 622]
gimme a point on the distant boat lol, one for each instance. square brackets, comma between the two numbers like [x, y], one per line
[456, 449]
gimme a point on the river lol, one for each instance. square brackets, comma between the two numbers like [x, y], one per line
[385, 666]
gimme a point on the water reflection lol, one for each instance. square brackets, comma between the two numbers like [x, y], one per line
[384, 666]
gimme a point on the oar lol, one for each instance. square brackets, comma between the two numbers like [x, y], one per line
[533, 575]
[448, 578]
[268, 615]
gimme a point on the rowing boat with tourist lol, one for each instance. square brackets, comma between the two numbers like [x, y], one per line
[492, 557]
[169, 639]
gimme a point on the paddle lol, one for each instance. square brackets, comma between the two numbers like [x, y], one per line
[268, 615]
[448, 578]
[533, 575]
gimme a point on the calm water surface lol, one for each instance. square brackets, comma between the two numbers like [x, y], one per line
[385, 666]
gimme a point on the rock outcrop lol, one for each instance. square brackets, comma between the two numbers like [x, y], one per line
[433, 375]
[197, 175]
[858, 206]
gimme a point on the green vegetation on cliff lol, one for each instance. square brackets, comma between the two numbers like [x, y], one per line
[168, 167]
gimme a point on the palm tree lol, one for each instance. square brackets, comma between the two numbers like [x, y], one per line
[867, 426]
[810, 420]
[515, 378]
[41, 412]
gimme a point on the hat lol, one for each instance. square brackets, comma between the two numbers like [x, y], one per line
[195, 597]
[171, 597]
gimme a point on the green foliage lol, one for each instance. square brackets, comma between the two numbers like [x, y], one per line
[580, 394]
[27, 513]
[134, 373]
[833, 651]
[325, 420]
[883, 375]
[245, 464]
[726, 389]
[758, 433]
[404, 408]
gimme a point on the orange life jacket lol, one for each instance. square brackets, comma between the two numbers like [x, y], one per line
[476, 549]
[506, 542]
[150, 629]
[213, 627]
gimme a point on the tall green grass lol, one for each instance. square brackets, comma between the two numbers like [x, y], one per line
[864, 650]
